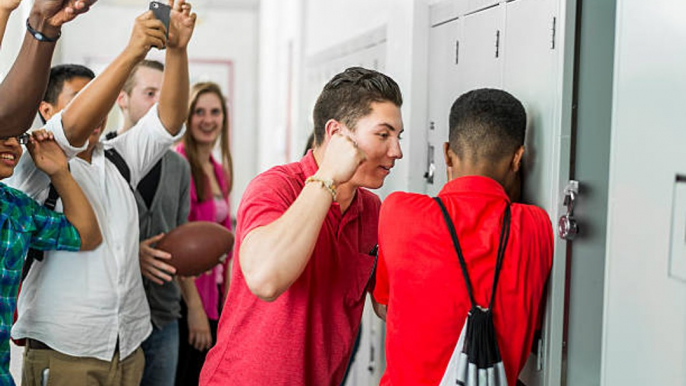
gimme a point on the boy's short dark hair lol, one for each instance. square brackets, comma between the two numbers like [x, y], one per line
[486, 125]
[348, 97]
[130, 81]
[62, 73]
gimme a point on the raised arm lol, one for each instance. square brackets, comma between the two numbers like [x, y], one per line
[272, 257]
[49, 158]
[175, 84]
[22, 89]
[87, 110]
[6, 8]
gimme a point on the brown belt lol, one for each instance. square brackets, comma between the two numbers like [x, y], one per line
[36, 344]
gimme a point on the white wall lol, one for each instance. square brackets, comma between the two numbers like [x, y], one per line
[223, 49]
[644, 332]
[14, 36]
[311, 27]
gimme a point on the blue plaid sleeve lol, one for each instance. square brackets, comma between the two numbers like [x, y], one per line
[53, 231]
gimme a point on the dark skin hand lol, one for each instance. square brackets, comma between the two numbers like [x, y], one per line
[22, 89]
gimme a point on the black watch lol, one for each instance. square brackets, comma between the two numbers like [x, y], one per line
[39, 36]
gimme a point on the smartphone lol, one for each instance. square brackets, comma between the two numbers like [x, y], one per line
[161, 12]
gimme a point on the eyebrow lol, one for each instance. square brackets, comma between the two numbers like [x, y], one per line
[390, 127]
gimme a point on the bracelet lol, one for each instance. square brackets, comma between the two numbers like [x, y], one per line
[39, 36]
[326, 183]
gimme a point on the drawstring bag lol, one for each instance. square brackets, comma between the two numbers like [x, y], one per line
[476, 358]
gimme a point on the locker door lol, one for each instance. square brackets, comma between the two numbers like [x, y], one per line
[532, 74]
[529, 74]
[443, 89]
[481, 49]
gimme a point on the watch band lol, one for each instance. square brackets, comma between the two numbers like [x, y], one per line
[40, 36]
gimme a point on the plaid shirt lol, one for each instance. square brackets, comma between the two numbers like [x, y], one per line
[24, 224]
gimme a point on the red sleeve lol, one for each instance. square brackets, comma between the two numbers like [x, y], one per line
[266, 198]
[381, 285]
[381, 290]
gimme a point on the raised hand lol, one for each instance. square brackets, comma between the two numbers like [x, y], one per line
[58, 12]
[46, 153]
[181, 24]
[151, 261]
[341, 159]
[147, 32]
[9, 5]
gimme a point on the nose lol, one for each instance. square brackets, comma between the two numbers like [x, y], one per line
[395, 151]
[10, 142]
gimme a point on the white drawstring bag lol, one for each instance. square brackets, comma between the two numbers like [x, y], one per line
[476, 358]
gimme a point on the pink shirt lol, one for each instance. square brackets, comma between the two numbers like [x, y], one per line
[304, 337]
[206, 211]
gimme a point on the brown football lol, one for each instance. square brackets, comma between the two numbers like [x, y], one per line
[196, 246]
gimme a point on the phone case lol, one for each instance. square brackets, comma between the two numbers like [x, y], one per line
[161, 12]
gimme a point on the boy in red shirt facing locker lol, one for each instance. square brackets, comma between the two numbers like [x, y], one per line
[419, 278]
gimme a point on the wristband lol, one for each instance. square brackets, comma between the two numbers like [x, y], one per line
[326, 183]
[39, 36]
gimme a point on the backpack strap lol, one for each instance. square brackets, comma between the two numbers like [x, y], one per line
[111, 134]
[35, 254]
[113, 156]
[504, 236]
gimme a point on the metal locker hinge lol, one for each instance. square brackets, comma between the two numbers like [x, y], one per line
[567, 227]
[554, 33]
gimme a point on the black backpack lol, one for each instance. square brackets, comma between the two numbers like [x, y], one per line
[476, 358]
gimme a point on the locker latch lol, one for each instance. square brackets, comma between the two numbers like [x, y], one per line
[430, 166]
[567, 227]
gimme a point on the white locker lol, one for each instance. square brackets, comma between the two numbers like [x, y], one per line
[518, 46]
[529, 74]
[481, 49]
[444, 81]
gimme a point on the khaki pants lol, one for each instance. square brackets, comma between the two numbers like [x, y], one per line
[65, 370]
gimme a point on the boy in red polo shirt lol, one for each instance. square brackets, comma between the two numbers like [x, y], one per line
[419, 277]
[304, 234]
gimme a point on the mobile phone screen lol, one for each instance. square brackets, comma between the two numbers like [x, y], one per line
[161, 12]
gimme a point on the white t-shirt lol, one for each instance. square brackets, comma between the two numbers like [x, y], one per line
[79, 303]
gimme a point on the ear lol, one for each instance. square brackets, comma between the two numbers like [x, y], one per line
[46, 110]
[448, 156]
[122, 100]
[517, 159]
[332, 127]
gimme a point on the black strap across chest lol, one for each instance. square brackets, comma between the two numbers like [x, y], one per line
[504, 236]
[37, 255]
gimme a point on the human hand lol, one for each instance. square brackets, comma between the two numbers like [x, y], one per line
[341, 159]
[46, 153]
[199, 335]
[9, 5]
[181, 24]
[57, 12]
[150, 260]
[147, 32]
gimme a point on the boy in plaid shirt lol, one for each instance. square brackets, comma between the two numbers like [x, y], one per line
[25, 224]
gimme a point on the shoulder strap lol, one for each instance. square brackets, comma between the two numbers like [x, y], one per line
[35, 254]
[504, 236]
[111, 134]
[113, 156]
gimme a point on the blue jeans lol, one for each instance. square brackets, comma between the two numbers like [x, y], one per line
[161, 351]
